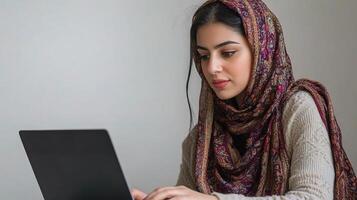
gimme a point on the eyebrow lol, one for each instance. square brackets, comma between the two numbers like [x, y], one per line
[219, 45]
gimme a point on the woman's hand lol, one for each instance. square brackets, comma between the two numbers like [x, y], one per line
[137, 194]
[177, 193]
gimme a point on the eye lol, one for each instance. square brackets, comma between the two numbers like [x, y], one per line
[204, 57]
[228, 54]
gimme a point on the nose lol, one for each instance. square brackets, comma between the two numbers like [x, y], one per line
[214, 65]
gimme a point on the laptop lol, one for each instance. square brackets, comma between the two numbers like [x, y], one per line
[75, 164]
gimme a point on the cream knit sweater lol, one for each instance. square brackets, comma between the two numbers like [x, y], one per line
[308, 145]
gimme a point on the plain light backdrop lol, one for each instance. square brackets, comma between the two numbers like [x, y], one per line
[122, 65]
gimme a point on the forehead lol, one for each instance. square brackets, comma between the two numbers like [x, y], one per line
[214, 33]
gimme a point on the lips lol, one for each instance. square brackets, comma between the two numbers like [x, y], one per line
[220, 84]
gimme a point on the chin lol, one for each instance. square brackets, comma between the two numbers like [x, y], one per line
[224, 96]
[227, 94]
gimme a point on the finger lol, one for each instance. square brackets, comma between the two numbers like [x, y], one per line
[137, 194]
[165, 193]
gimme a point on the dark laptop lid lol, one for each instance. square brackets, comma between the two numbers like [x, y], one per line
[75, 164]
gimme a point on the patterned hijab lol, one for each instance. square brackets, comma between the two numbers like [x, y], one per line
[264, 168]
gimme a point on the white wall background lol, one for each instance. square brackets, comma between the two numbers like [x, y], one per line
[122, 65]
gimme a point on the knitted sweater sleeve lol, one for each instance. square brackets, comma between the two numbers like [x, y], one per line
[186, 177]
[311, 163]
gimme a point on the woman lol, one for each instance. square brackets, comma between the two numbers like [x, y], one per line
[260, 134]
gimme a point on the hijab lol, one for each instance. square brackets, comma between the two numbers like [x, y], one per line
[264, 167]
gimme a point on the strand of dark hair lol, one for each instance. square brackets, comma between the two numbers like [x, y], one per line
[187, 92]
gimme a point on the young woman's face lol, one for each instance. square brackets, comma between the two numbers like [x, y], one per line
[226, 59]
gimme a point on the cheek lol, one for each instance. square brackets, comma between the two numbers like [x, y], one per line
[205, 73]
[247, 67]
[241, 69]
